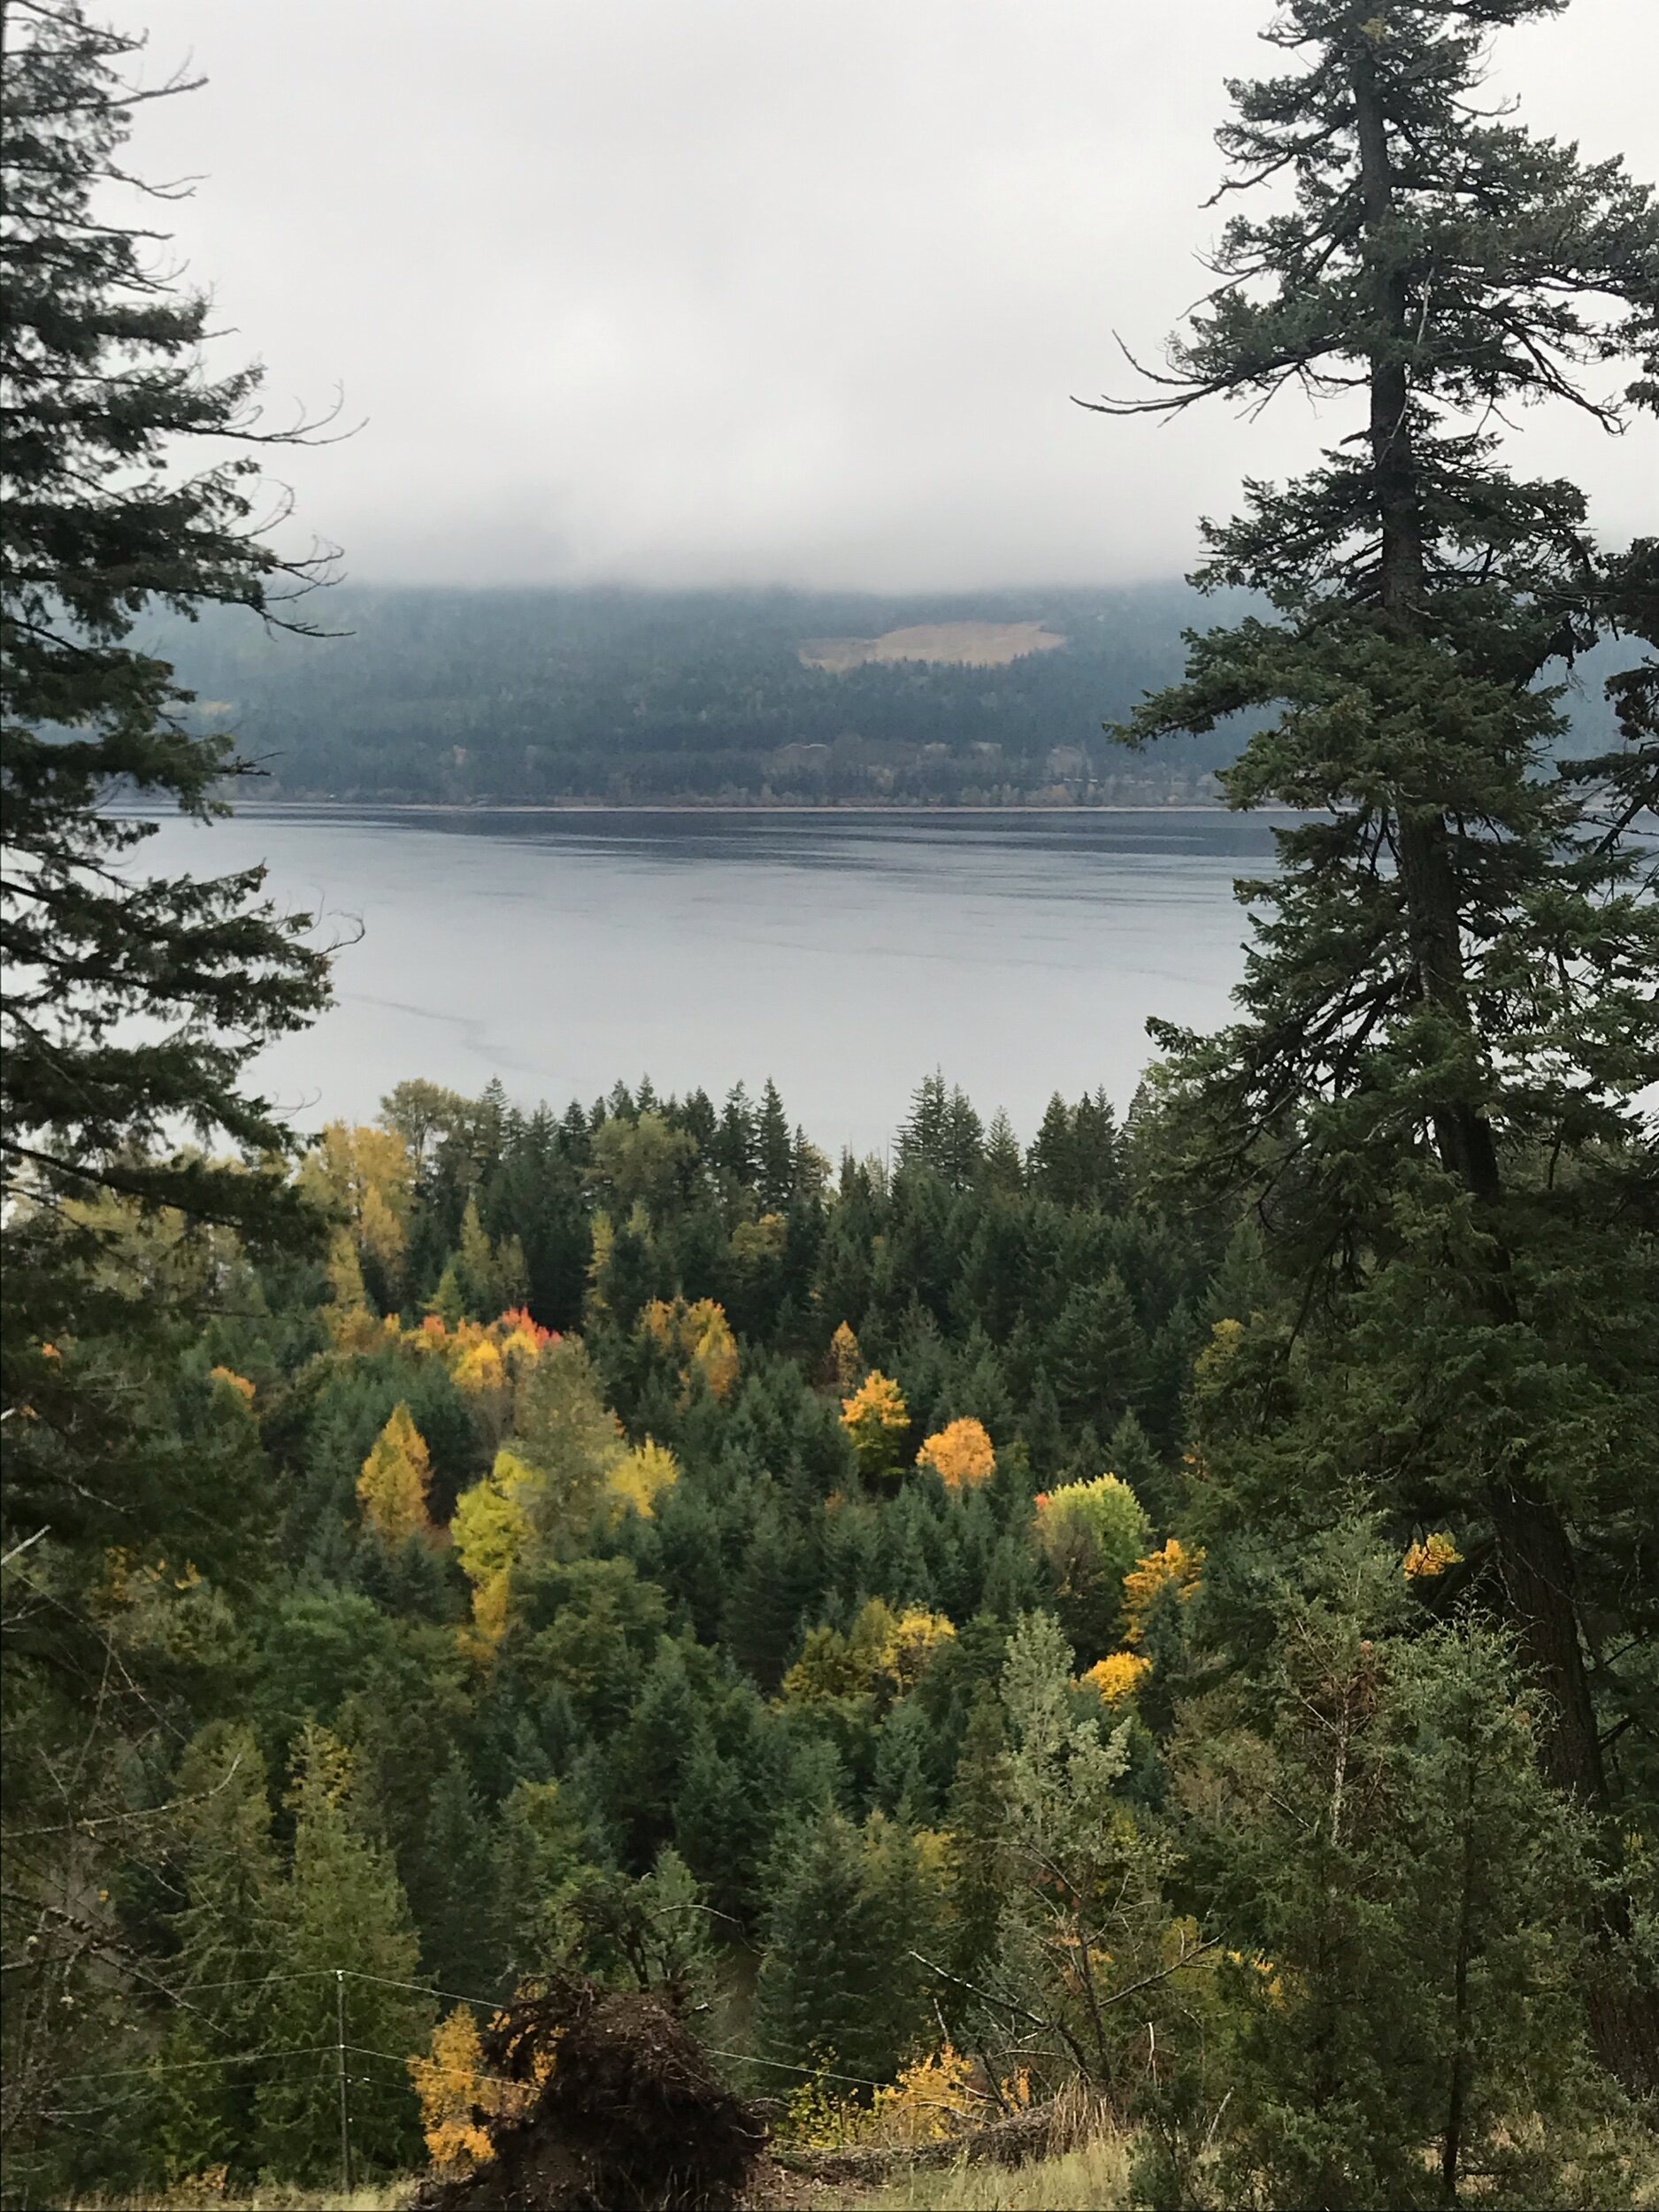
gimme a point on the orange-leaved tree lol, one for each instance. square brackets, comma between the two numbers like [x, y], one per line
[961, 1453]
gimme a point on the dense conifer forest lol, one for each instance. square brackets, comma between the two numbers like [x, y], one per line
[841, 1597]
[1145, 1637]
[433, 697]
[631, 697]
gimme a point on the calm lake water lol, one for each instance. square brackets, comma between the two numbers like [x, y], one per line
[845, 956]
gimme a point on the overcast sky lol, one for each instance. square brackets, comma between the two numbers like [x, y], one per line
[703, 291]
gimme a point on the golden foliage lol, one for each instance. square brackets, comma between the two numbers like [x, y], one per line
[492, 1525]
[756, 1244]
[233, 1380]
[917, 1640]
[929, 2101]
[492, 1609]
[961, 1453]
[1117, 1675]
[480, 1367]
[457, 2095]
[449, 2086]
[875, 1416]
[700, 1335]
[820, 2117]
[1431, 1556]
[647, 1472]
[492, 1530]
[368, 1176]
[1225, 1337]
[847, 1359]
[393, 1485]
[885, 1654]
[1176, 1564]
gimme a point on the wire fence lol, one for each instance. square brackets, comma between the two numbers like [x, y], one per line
[343, 2051]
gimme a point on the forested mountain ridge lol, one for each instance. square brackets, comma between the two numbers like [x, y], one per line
[529, 696]
[629, 697]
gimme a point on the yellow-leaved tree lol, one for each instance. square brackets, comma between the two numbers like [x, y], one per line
[365, 1177]
[699, 1335]
[1118, 1675]
[884, 1655]
[1174, 1572]
[876, 1417]
[450, 2085]
[847, 1360]
[455, 2092]
[394, 1483]
[648, 1469]
[493, 1528]
[961, 1453]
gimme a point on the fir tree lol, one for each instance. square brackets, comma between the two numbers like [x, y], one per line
[101, 367]
[451, 1889]
[343, 1912]
[775, 1150]
[228, 1866]
[1434, 1094]
[1097, 1355]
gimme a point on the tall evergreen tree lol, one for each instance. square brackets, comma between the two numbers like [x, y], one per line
[98, 522]
[343, 1912]
[1434, 1092]
[131, 1002]
[775, 1148]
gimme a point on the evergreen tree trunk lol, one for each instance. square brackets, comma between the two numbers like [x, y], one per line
[1534, 1549]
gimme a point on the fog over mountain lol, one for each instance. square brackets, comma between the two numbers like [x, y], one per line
[630, 289]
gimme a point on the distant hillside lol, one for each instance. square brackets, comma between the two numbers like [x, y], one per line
[527, 697]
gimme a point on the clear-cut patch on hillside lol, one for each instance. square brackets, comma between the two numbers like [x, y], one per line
[966, 644]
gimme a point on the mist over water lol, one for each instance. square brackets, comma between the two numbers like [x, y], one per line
[845, 956]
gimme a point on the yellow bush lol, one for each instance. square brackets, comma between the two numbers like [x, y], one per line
[450, 2087]
[930, 2100]
[457, 2095]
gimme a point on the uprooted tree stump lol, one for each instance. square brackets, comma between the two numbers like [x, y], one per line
[620, 2111]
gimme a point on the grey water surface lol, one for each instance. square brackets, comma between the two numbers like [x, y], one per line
[844, 955]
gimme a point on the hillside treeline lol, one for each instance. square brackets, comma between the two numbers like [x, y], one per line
[533, 696]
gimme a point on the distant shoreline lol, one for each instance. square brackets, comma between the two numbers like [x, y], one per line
[709, 806]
